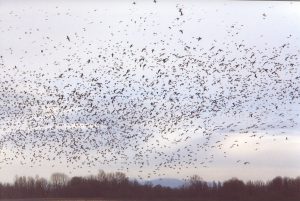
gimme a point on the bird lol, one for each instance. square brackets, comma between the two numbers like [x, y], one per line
[180, 11]
[167, 102]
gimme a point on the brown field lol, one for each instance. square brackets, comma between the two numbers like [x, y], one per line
[82, 199]
[57, 199]
[92, 199]
[77, 199]
[63, 199]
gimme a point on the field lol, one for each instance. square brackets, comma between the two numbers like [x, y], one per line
[91, 199]
[63, 199]
[81, 199]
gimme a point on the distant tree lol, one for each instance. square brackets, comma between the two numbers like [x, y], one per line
[101, 176]
[233, 189]
[195, 180]
[41, 186]
[77, 181]
[121, 178]
[59, 180]
[118, 186]
[276, 184]
[197, 186]
[214, 187]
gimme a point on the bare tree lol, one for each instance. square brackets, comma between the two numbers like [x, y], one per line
[195, 180]
[101, 176]
[59, 179]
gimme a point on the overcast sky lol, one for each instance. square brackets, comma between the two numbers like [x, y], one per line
[40, 41]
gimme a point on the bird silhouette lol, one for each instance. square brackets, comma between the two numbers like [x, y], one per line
[168, 102]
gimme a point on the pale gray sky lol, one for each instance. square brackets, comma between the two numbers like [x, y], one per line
[33, 41]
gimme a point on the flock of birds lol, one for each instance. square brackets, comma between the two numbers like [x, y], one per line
[149, 106]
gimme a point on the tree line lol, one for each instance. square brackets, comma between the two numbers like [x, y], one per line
[118, 186]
